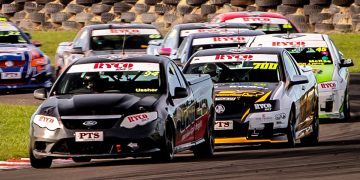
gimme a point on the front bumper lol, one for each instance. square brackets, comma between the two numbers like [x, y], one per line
[261, 127]
[29, 81]
[117, 142]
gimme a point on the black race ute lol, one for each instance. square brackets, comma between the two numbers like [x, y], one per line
[139, 106]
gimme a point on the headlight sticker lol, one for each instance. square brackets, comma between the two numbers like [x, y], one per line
[138, 119]
[49, 122]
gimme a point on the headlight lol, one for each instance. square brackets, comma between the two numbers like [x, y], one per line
[49, 122]
[138, 119]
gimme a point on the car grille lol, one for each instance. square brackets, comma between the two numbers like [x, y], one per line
[233, 110]
[78, 123]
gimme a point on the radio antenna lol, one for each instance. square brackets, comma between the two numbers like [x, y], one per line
[123, 45]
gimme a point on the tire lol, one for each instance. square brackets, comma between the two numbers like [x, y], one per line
[207, 148]
[170, 18]
[333, 9]
[107, 17]
[297, 19]
[100, 8]
[8, 8]
[19, 1]
[75, 8]
[295, 2]
[151, 2]
[128, 16]
[65, 2]
[70, 25]
[355, 19]
[162, 8]
[312, 9]
[53, 8]
[207, 9]
[320, 2]
[318, 18]
[19, 15]
[219, 2]
[357, 2]
[291, 131]
[171, 2]
[26, 24]
[43, 1]
[286, 9]
[130, 1]
[313, 138]
[81, 159]
[346, 3]
[192, 18]
[109, 2]
[195, 2]
[30, 7]
[251, 8]
[323, 27]
[121, 7]
[338, 17]
[141, 8]
[37, 17]
[347, 109]
[148, 18]
[354, 9]
[242, 2]
[60, 17]
[83, 17]
[343, 27]
[167, 149]
[87, 2]
[6, 1]
[39, 163]
[184, 9]
[267, 3]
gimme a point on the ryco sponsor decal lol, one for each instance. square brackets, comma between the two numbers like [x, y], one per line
[265, 20]
[138, 119]
[48, 122]
[221, 40]
[239, 57]
[264, 106]
[293, 43]
[114, 66]
[328, 85]
[186, 33]
[106, 32]
[236, 57]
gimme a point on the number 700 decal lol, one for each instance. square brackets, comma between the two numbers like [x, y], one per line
[272, 66]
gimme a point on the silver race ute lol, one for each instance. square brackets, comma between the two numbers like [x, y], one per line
[114, 108]
[328, 65]
[106, 40]
[261, 96]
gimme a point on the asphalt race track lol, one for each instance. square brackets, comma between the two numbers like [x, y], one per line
[336, 157]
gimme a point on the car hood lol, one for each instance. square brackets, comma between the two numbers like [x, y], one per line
[236, 100]
[15, 47]
[99, 104]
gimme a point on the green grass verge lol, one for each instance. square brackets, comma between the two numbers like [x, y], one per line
[348, 45]
[14, 130]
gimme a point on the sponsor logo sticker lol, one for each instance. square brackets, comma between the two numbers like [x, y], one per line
[219, 108]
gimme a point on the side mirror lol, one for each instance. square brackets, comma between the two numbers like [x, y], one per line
[165, 51]
[156, 42]
[77, 50]
[346, 63]
[36, 43]
[40, 94]
[28, 35]
[299, 79]
[306, 68]
[180, 92]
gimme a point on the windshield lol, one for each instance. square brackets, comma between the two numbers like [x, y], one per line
[311, 55]
[114, 39]
[212, 46]
[112, 77]
[11, 37]
[272, 28]
[227, 69]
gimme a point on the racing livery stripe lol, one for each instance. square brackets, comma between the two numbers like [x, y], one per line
[264, 97]
[245, 140]
[245, 114]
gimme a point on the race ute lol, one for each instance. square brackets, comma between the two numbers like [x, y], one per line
[131, 107]
[267, 22]
[22, 64]
[261, 96]
[106, 40]
[201, 41]
[170, 44]
[328, 64]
